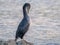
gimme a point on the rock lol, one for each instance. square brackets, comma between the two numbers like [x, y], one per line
[3, 43]
[24, 42]
[12, 42]
[0, 42]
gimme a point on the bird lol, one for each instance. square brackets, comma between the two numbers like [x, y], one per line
[23, 27]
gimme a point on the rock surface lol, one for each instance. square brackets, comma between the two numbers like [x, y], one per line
[12, 42]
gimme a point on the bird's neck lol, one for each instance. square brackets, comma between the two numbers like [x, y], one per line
[25, 13]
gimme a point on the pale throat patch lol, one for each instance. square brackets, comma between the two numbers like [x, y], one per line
[27, 9]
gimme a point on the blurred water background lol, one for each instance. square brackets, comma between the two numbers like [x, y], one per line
[45, 20]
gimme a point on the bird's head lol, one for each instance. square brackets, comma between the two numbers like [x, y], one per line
[26, 7]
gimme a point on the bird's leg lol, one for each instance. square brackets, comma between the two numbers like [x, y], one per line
[15, 40]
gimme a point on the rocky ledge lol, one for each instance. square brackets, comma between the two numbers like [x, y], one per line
[12, 42]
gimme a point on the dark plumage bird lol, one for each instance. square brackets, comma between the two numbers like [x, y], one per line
[25, 23]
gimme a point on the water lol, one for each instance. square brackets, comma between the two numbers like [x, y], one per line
[45, 20]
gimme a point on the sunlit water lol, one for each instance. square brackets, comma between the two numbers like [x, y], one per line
[45, 20]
